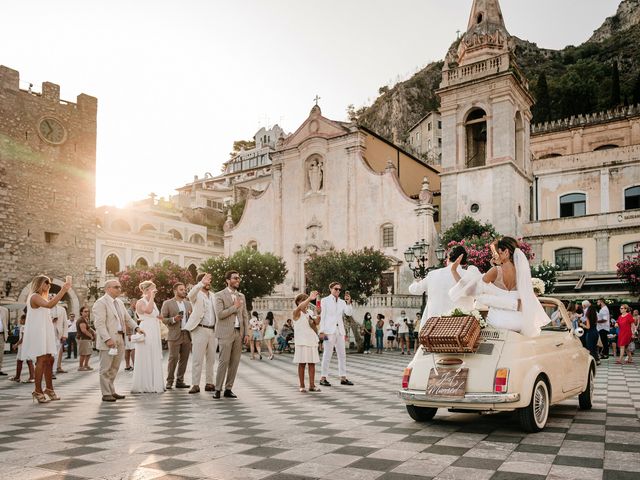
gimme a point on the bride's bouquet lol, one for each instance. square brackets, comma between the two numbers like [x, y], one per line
[457, 312]
[538, 286]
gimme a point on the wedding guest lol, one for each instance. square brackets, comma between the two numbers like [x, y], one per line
[129, 346]
[367, 327]
[255, 342]
[85, 336]
[625, 336]
[175, 312]
[604, 324]
[332, 332]
[590, 323]
[269, 333]
[380, 333]
[60, 322]
[232, 330]
[416, 331]
[20, 359]
[4, 333]
[404, 340]
[286, 334]
[306, 340]
[201, 325]
[39, 341]
[110, 320]
[72, 345]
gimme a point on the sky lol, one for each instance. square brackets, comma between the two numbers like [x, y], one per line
[178, 81]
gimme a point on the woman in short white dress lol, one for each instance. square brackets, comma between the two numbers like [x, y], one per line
[147, 375]
[306, 339]
[39, 341]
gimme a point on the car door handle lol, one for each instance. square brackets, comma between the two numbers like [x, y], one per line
[559, 344]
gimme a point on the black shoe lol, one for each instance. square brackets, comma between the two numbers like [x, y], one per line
[182, 385]
[324, 383]
[117, 396]
[2, 373]
[216, 394]
[604, 357]
[108, 398]
[346, 382]
[228, 394]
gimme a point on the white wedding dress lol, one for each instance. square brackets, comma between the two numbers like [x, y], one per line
[147, 371]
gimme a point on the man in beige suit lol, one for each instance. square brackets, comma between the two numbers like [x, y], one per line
[111, 319]
[61, 324]
[201, 324]
[175, 313]
[232, 329]
[4, 333]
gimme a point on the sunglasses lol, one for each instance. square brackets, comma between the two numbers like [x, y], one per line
[117, 287]
[337, 288]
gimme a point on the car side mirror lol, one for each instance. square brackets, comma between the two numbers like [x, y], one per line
[578, 332]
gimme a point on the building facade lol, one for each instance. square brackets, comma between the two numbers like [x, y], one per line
[425, 138]
[47, 188]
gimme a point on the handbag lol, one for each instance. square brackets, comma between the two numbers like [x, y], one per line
[137, 338]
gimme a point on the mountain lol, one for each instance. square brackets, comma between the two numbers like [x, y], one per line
[602, 73]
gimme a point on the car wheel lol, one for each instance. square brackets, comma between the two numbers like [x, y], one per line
[533, 417]
[586, 397]
[421, 414]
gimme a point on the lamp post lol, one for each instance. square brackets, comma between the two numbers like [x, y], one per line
[417, 256]
[91, 278]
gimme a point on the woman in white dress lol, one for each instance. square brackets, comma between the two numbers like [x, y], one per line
[506, 289]
[147, 374]
[306, 339]
[39, 341]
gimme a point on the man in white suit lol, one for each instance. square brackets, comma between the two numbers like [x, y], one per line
[4, 333]
[437, 284]
[61, 324]
[111, 320]
[202, 324]
[333, 333]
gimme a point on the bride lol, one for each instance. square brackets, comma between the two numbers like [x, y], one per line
[506, 289]
[147, 374]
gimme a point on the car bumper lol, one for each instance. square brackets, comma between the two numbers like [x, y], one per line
[419, 396]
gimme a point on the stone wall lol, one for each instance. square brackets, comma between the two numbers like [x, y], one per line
[47, 184]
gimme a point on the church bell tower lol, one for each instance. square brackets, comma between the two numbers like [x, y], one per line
[486, 115]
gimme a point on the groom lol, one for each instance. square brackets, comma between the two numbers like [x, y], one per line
[437, 284]
[111, 320]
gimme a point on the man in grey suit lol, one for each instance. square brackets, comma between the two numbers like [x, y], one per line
[111, 319]
[175, 312]
[232, 329]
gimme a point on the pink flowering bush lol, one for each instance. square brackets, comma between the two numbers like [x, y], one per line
[165, 275]
[629, 272]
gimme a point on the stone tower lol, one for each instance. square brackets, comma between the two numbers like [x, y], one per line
[47, 187]
[486, 114]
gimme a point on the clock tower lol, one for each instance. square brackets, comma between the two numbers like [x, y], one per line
[47, 188]
[486, 115]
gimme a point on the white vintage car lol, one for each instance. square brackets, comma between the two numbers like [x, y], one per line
[508, 372]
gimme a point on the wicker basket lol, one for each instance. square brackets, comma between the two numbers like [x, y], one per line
[451, 335]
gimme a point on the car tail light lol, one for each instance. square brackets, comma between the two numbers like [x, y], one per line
[501, 381]
[405, 377]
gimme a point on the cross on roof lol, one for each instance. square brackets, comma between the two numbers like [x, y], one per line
[316, 99]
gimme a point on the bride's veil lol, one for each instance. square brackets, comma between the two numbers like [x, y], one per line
[534, 316]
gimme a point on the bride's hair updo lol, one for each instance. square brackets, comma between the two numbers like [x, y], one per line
[508, 243]
[146, 284]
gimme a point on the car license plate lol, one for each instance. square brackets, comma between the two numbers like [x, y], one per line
[447, 382]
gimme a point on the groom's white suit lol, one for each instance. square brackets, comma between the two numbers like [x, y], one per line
[436, 285]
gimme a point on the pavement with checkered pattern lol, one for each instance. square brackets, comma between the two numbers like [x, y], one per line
[273, 431]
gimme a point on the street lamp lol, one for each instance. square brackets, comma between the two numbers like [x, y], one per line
[91, 278]
[419, 253]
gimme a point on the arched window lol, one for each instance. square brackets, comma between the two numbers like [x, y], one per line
[632, 198]
[120, 225]
[605, 147]
[630, 251]
[550, 155]
[569, 258]
[147, 227]
[112, 264]
[573, 205]
[142, 262]
[388, 239]
[175, 234]
[520, 139]
[476, 138]
[197, 239]
[253, 245]
[193, 270]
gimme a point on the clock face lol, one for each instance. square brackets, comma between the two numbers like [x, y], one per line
[52, 131]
